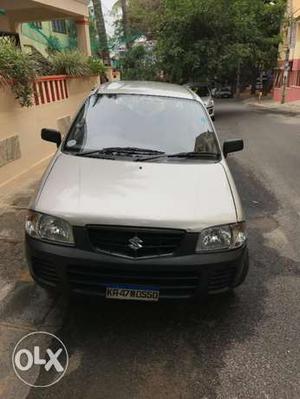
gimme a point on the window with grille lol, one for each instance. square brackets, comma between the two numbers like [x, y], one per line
[37, 24]
[59, 26]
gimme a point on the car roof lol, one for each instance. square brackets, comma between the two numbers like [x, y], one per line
[146, 88]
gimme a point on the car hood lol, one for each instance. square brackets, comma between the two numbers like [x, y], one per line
[187, 195]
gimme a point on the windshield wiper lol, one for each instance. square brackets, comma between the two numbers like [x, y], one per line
[120, 150]
[191, 154]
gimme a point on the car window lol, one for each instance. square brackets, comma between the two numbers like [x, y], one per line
[159, 123]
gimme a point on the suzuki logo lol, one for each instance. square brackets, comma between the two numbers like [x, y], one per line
[135, 243]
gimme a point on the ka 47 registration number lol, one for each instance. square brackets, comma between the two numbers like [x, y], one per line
[132, 293]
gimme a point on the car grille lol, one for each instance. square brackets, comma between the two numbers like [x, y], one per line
[221, 279]
[45, 271]
[94, 280]
[135, 242]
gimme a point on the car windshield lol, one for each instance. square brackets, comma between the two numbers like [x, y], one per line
[142, 125]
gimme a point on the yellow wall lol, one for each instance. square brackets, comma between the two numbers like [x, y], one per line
[28, 122]
[296, 51]
[30, 37]
[296, 7]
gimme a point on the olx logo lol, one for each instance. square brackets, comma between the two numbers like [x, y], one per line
[40, 356]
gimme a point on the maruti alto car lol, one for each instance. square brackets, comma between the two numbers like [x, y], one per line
[138, 202]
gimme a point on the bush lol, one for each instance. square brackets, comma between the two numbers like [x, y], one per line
[41, 64]
[96, 66]
[70, 62]
[17, 71]
[74, 63]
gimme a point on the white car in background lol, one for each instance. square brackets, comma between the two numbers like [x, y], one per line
[203, 91]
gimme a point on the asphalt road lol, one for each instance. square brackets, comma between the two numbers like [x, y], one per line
[244, 345]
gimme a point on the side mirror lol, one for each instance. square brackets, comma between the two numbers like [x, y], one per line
[51, 135]
[232, 146]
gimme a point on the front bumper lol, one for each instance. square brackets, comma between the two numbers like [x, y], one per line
[73, 270]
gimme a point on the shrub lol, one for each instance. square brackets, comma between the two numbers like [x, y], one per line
[96, 66]
[70, 62]
[41, 64]
[74, 63]
[17, 71]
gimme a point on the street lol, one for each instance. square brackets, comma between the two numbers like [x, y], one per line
[242, 345]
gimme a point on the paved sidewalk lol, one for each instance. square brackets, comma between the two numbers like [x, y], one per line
[24, 307]
[290, 108]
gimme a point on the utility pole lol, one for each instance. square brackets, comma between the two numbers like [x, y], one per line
[286, 66]
[125, 23]
[238, 79]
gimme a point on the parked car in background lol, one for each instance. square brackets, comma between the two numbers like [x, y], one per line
[138, 202]
[203, 91]
[224, 92]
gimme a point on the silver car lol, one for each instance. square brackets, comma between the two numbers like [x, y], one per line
[203, 91]
[138, 202]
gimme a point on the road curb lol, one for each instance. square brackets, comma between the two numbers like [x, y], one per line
[274, 110]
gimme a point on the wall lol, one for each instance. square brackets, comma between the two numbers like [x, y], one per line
[26, 124]
[30, 37]
[5, 24]
[296, 8]
[292, 94]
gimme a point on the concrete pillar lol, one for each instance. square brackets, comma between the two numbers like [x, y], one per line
[83, 35]
[5, 23]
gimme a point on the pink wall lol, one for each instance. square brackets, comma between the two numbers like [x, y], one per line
[292, 93]
[296, 64]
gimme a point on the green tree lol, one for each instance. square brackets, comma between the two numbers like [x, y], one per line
[101, 30]
[210, 39]
[139, 63]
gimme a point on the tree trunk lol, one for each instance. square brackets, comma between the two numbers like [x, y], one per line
[100, 26]
[125, 22]
[238, 80]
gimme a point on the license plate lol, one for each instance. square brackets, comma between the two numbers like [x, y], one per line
[133, 293]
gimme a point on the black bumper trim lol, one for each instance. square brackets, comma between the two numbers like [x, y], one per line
[71, 269]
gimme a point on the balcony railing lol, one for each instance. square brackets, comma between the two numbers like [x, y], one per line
[48, 89]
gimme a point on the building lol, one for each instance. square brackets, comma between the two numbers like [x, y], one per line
[16, 15]
[56, 98]
[58, 34]
[290, 48]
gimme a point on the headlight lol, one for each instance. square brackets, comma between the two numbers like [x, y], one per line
[220, 238]
[49, 228]
[209, 103]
